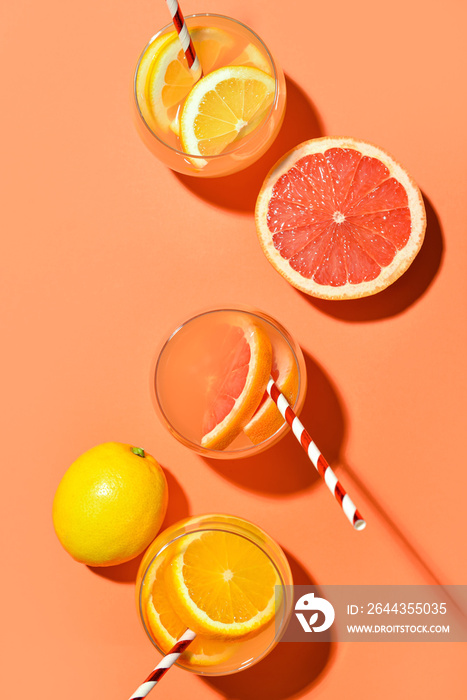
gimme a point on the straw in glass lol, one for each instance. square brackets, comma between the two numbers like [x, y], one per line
[315, 456]
[185, 38]
[162, 667]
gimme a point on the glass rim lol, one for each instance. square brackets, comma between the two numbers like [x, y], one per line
[197, 447]
[246, 139]
[228, 529]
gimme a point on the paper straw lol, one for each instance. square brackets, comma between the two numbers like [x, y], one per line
[162, 667]
[316, 457]
[185, 38]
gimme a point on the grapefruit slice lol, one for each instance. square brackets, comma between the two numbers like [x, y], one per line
[237, 385]
[339, 218]
[166, 626]
[267, 419]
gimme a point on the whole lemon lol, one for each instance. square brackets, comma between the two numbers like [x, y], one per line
[110, 504]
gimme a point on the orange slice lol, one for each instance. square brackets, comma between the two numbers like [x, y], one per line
[222, 584]
[238, 383]
[221, 107]
[166, 626]
[169, 79]
[267, 419]
[339, 218]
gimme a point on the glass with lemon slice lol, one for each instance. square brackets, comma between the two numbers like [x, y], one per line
[210, 382]
[226, 120]
[223, 578]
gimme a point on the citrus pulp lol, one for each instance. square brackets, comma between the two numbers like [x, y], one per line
[166, 625]
[340, 218]
[222, 585]
[222, 106]
[238, 384]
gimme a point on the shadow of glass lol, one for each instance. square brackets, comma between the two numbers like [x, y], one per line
[177, 509]
[285, 468]
[290, 670]
[239, 191]
[396, 298]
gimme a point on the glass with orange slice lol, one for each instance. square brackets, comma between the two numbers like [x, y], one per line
[221, 123]
[226, 580]
[210, 382]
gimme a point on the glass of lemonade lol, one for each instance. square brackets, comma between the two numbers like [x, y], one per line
[231, 117]
[223, 578]
[210, 382]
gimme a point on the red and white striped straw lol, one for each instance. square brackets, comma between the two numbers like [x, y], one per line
[162, 667]
[316, 457]
[185, 38]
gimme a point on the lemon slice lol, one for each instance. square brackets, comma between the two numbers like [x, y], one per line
[170, 80]
[252, 56]
[146, 64]
[221, 107]
[222, 585]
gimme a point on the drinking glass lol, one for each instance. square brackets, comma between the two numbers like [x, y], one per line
[227, 656]
[237, 43]
[182, 378]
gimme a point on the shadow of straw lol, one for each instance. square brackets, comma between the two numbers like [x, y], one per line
[285, 468]
[412, 550]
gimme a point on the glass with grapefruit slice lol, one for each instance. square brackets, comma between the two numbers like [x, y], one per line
[223, 578]
[211, 376]
[221, 123]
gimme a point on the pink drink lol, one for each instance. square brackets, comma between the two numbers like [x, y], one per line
[189, 364]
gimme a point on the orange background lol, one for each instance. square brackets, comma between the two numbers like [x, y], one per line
[104, 250]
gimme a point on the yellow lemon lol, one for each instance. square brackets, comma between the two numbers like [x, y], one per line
[110, 504]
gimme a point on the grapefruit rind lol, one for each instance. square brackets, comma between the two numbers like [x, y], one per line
[248, 401]
[268, 420]
[401, 261]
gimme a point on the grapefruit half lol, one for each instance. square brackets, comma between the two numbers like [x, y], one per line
[237, 385]
[340, 218]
